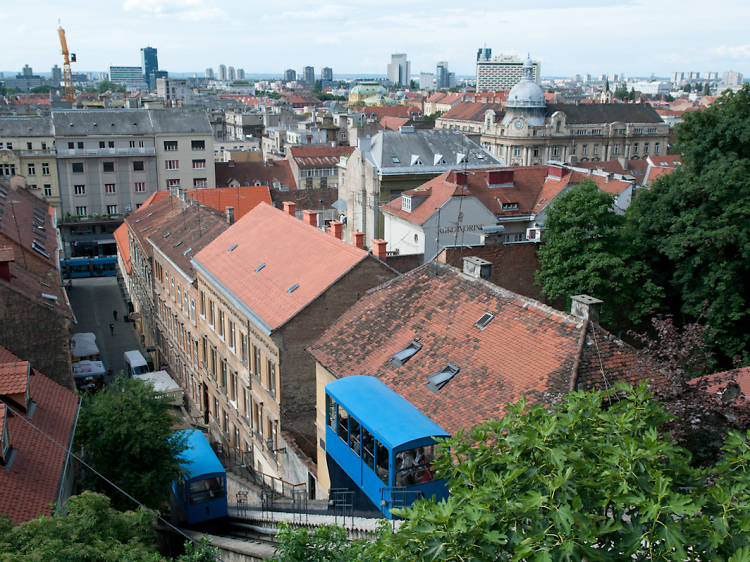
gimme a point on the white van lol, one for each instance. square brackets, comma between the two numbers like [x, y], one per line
[135, 364]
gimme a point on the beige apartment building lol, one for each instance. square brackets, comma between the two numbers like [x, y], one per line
[27, 149]
[267, 287]
[184, 145]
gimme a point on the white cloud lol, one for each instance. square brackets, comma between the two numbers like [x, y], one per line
[732, 52]
[183, 10]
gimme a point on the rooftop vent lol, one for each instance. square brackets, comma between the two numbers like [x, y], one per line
[293, 288]
[395, 160]
[416, 160]
[437, 381]
[398, 359]
[166, 234]
[261, 266]
[484, 321]
[49, 297]
[186, 252]
[178, 244]
[232, 248]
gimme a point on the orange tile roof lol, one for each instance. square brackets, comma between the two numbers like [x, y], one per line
[393, 123]
[123, 245]
[243, 199]
[389, 110]
[29, 488]
[250, 173]
[294, 253]
[14, 377]
[718, 382]
[470, 111]
[319, 156]
[527, 350]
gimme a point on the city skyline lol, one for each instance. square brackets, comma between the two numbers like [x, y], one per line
[612, 36]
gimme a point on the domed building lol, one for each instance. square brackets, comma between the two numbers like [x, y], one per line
[529, 131]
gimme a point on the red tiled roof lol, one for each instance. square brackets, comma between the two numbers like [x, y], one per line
[718, 382]
[123, 245]
[243, 199]
[322, 156]
[470, 111]
[252, 173]
[379, 112]
[23, 214]
[31, 285]
[29, 488]
[553, 187]
[294, 253]
[393, 123]
[527, 350]
[14, 377]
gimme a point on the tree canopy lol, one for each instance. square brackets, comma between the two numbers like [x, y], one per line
[585, 251]
[692, 228]
[593, 477]
[126, 434]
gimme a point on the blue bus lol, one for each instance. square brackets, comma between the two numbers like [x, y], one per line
[76, 268]
[379, 445]
[200, 493]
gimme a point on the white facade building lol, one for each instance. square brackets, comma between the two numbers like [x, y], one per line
[502, 73]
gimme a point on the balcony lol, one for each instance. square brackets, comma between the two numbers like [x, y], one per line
[103, 152]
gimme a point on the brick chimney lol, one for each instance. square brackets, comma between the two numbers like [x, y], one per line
[359, 239]
[555, 172]
[290, 207]
[230, 215]
[378, 248]
[477, 267]
[336, 228]
[6, 256]
[586, 307]
[310, 217]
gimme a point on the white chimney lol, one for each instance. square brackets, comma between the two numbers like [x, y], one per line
[586, 307]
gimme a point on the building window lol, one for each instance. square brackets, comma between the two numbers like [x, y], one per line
[45, 168]
[221, 323]
[536, 151]
[198, 145]
[110, 144]
[243, 348]
[170, 146]
[596, 131]
[555, 151]
[516, 151]
[111, 209]
[230, 334]
[203, 304]
[77, 167]
[616, 149]
[79, 190]
[213, 362]
[137, 165]
[81, 211]
[32, 186]
[308, 183]
[573, 150]
[32, 169]
[223, 380]
[637, 131]
[172, 164]
[131, 144]
[596, 149]
[108, 166]
[233, 387]
[656, 148]
[7, 170]
[324, 182]
[645, 148]
[109, 188]
[199, 164]
[80, 145]
[140, 187]
[211, 314]
[584, 150]
[256, 361]
[635, 148]
[47, 190]
[101, 144]
[272, 378]
[71, 145]
[173, 183]
[652, 130]
[200, 182]
[28, 146]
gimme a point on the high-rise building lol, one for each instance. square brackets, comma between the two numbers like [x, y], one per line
[484, 54]
[231, 74]
[129, 76]
[223, 72]
[501, 73]
[732, 78]
[290, 75]
[426, 81]
[149, 65]
[308, 75]
[56, 75]
[442, 76]
[240, 74]
[399, 70]
[27, 71]
[326, 74]
[210, 73]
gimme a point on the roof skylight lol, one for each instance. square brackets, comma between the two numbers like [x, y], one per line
[437, 381]
[484, 321]
[261, 266]
[293, 288]
[401, 357]
[186, 252]
[232, 248]
[395, 160]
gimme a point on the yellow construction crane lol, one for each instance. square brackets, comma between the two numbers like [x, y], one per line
[67, 74]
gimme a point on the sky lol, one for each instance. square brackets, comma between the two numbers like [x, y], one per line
[635, 37]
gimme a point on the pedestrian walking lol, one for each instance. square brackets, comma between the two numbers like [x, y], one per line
[111, 328]
[114, 313]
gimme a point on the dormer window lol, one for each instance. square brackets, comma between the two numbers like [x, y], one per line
[510, 206]
[437, 381]
[406, 203]
[438, 160]
[398, 359]
[416, 160]
[460, 158]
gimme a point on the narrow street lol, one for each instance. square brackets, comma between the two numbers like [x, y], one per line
[94, 300]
